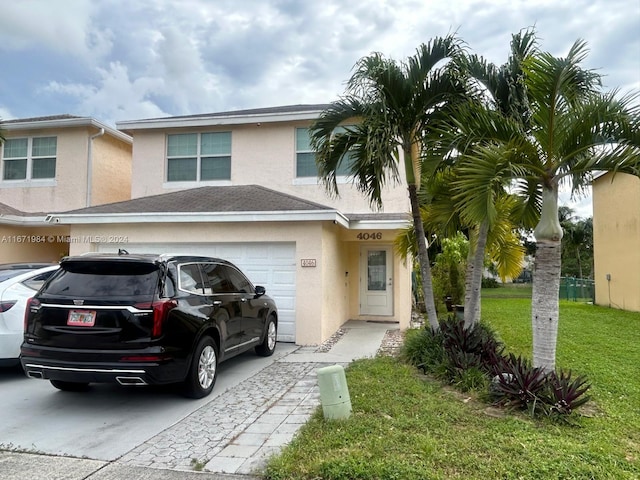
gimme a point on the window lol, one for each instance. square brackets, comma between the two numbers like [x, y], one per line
[29, 158]
[190, 279]
[218, 281]
[306, 157]
[195, 157]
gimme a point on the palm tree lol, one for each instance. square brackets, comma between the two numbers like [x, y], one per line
[386, 110]
[502, 91]
[441, 216]
[574, 130]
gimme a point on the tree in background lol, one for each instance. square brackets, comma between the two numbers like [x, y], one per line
[577, 244]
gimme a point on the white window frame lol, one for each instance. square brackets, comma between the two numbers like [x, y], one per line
[198, 155]
[311, 180]
[28, 180]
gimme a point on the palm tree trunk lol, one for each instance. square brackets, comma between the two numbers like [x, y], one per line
[423, 259]
[546, 282]
[475, 269]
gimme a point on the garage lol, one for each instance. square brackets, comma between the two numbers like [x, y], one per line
[272, 265]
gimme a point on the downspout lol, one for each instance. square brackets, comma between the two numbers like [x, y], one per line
[90, 164]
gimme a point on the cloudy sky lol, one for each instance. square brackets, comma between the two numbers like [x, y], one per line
[130, 59]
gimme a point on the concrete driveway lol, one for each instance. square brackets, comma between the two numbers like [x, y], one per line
[257, 406]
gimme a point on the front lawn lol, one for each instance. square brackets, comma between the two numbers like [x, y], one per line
[405, 426]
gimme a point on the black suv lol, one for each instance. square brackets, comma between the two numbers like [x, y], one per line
[144, 319]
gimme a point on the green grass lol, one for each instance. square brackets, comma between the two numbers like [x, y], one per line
[406, 426]
[509, 290]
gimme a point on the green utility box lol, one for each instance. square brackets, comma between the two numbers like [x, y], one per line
[334, 393]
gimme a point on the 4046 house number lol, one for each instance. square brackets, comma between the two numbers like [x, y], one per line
[369, 236]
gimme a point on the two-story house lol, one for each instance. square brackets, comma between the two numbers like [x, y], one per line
[243, 185]
[55, 164]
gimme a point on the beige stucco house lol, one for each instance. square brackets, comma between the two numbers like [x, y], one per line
[54, 164]
[243, 186]
[616, 240]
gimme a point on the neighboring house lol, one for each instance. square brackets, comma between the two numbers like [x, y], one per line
[53, 164]
[243, 186]
[616, 240]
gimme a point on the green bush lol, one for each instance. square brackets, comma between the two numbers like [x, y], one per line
[489, 282]
[473, 359]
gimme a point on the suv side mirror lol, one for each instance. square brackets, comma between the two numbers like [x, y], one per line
[260, 291]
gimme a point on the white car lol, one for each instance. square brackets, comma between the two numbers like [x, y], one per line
[17, 285]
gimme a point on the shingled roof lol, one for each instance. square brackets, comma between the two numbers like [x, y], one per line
[7, 210]
[64, 116]
[235, 198]
[253, 111]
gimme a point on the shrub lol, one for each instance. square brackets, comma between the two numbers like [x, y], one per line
[517, 384]
[489, 282]
[423, 348]
[473, 359]
[564, 395]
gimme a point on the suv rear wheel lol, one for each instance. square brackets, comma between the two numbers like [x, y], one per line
[204, 369]
[70, 386]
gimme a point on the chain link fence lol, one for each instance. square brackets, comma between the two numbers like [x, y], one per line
[577, 289]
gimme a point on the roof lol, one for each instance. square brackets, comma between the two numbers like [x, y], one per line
[13, 216]
[61, 121]
[7, 210]
[236, 198]
[235, 117]
[223, 204]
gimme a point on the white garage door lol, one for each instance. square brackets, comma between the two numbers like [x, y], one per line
[271, 265]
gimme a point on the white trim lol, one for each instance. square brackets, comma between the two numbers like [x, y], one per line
[195, 184]
[29, 183]
[378, 224]
[197, 217]
[208, 121]
[23, 220]
[65, 122]
[340, 180]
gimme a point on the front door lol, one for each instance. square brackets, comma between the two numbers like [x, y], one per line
[376, 280]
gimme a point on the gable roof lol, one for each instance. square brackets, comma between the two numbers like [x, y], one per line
[13, 216]
[283, 113]
[234, 203]
[232, 198]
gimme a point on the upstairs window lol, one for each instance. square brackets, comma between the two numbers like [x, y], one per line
[29, 158]
[306, 157]
[199, 157]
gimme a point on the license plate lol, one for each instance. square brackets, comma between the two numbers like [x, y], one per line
[82, 318]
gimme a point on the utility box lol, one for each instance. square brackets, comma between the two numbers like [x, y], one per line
[334, 393]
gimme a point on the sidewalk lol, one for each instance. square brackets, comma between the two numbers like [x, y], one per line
[233, 435]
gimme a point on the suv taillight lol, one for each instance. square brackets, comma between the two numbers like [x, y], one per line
[31, 303]
[161, 309]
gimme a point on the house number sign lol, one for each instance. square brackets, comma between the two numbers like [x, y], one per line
[369, 236]
[308, 262]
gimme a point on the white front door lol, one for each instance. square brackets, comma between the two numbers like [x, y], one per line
[376, 280]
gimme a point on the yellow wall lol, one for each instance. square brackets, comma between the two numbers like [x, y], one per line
[32, 244]
[111, 170]
[616, 241]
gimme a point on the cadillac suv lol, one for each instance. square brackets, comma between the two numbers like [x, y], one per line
[144, 319]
